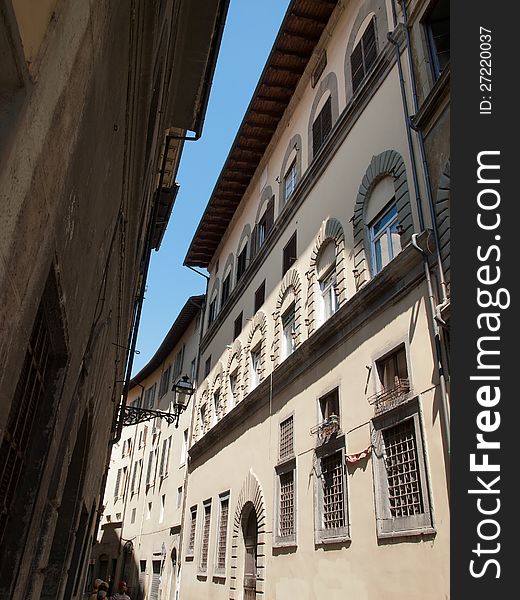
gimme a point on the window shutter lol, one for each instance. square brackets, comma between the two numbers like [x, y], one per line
[356, 65]
[269, 215]
[118, 482]
[163, 457]
[369, 45]
[326, 258]
[316, 135]
[254, 242]
[149, 469]
[326, 119]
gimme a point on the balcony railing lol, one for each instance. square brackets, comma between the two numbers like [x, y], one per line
[326, 429]
[390, 398]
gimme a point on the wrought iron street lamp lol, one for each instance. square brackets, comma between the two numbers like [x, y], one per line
[182, 392]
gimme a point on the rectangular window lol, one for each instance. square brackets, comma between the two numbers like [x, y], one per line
[220, 566]
[165, 457]
[237, 328]
[149, 397]
[329, 296]
[290, 180]
[438, 31]
[331, 517]
[285, 508]
[148, 510]
[165, 381]
[177, 363]
[193, 370]
[255, 367]
[286, 438]
[149, 469]
[143, 434]
[136, 477]
[402, 499]
[212, 311]
[289, 254]
[318, 69]
[241, 262]
[321, 127]
[179, 497]
[184, 448]
[118, 483]
[393, 380]
[385, 240]
[207, 366]
[163, 503]
[204, 547]
[289, 331]
[364, 55]
[132, 520]
[226, 288]
[193, 530]
[260, 296]
[329, 405]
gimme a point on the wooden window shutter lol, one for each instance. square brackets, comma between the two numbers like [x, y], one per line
[369, 45]
[316, 135]
[356, 65]
[326, 119]
[269, 215]
[254, 242]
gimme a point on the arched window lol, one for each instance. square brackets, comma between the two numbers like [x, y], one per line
[324, 113]
[243, 252]
[364, 53]
[291, 171]
[287, 317]
[264, 221]
[227, 280]
[255, 352]
[233, 375]
[213, 303]
[327, 281]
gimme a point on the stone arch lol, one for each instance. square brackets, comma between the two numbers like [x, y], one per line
[259, 322]
[267, 194]
[442, 217]
[328, 83]
[387, 163]
[290, 282]
[251, 497]
[330, 230]
[294, 142]
[235, 352]
[378, 7]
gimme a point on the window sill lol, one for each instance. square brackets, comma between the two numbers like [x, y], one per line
[340, 539]
[293, 544]
[426, 531]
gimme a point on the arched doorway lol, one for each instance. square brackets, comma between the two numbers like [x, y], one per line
[250, 533]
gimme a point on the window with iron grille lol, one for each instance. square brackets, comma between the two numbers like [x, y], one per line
[165, 381]
[289, 254]
[285, 504]
[204, 546]
[237, 327]
[32, 391]
[260, 296]
[322, 126]
[286, 438]
[364, 55]
[220, 563]
[193, 530]
[438, 31]
[400, 478]
[331, 493]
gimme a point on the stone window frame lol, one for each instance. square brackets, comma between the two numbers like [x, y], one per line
[291, 283]
[282, 468]
[235, 352]
[399, 527]
[387, 163]
[294, 143]
[190, 550]
[203, 395]
[217, 384]
[259, 322]
[201, 571]
[378, 8]
[328, 84]
[220, 572]
[321, 535]
[331, 230]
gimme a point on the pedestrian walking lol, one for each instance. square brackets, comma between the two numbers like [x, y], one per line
[121, 595]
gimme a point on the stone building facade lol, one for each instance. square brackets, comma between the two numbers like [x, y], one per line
[96, 99]
[319, 453]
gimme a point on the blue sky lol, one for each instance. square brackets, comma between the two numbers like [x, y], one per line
[249, 33]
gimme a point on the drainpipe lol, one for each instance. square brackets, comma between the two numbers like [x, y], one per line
[431, 298]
